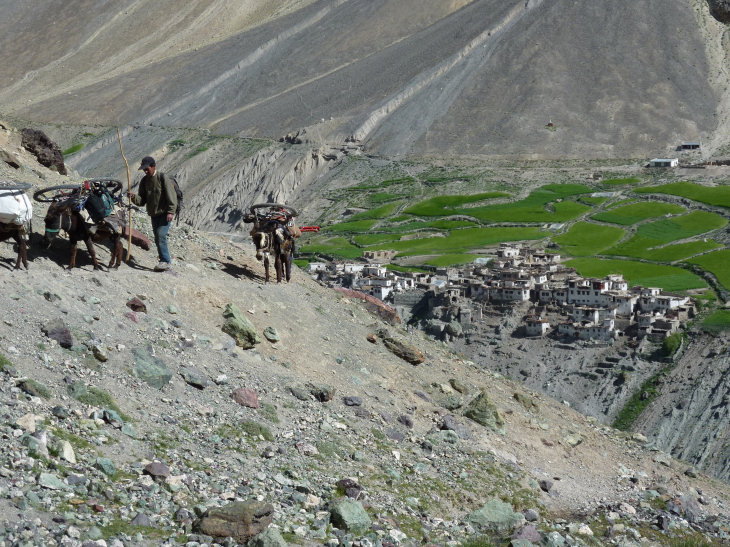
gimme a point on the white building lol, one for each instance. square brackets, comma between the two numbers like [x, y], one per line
[664, 162]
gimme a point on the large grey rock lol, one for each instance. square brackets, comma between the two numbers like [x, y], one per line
[194, 377]
[496, 515]
[57, 330]
[349, 515]
[239, 327]
[151, 369]
[241, 520]
[268, 538]
[484, 412]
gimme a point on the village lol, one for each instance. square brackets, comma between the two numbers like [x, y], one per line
[553, 299]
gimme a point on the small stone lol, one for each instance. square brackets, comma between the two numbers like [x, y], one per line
[245, 397]
[271, 334]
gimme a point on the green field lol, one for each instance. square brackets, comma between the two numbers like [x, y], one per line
[449, 205]
[641, 247]
[670, 278]
[351, 227]
[586, 239]
[716, 263]
[712, 195]
[376, 214]
[546, 204]
[682, 227]
[636, 212]
[717, 321]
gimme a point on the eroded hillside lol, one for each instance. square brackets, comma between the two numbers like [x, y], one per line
[483, 77]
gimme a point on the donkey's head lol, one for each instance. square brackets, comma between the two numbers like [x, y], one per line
[262, 242]
[58, 217]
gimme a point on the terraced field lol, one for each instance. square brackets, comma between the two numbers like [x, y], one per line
[622, 225]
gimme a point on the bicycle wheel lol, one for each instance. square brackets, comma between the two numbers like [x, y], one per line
[114, 186]
[12, 185]
[56, 193]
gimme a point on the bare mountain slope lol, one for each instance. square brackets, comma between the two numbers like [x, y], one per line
[620, 79]
[315, 403]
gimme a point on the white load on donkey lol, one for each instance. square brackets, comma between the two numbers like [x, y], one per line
[16, 213]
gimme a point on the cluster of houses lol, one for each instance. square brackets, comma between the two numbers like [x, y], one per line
[555, 298]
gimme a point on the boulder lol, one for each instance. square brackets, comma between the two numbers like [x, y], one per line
[245, 397]
[495, 515]
[720, 10]
[405, 351]
[151, 369]
[239, 327]
[44, 149]
[241, 520]
[484, 412]
[57, 330]
[349, 515]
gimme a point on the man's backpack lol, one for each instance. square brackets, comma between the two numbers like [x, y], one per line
[100, 203]
[178, 193]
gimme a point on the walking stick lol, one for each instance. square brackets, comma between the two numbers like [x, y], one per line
[129, 189]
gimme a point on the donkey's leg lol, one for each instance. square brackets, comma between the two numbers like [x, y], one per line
[22, 250]
[116, 252]
[266, 267]
[279, 267]
[74, 250]
[287, 262]
[92, 252]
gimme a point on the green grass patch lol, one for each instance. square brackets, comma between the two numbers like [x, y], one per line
[716, 322]
[671, 344]
[641, 247]
[4, 362]
[382, 197]
[449, 205]
[717, 264]
[669, 278]
[639, 401]
[545, 204]
[685, 226]
[374, 239]
[587, 239]
[636, 212]
[461, 241]
[451, 260]
[255, 429]
[75, 148]
[449, 224]
[351, 227]
[712, 195]
[589, 200]
[377, 213]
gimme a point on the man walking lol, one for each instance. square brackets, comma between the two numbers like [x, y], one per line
[158, 195]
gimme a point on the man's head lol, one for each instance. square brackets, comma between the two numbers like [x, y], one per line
[148, 165]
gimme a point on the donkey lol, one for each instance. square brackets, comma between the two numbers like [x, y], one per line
[18, 233]
[65, 215]
[267, 243]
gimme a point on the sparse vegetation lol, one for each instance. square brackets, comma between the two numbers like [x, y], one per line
[73, 149]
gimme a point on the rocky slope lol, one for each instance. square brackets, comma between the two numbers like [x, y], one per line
[483, 77]
[128, 414]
